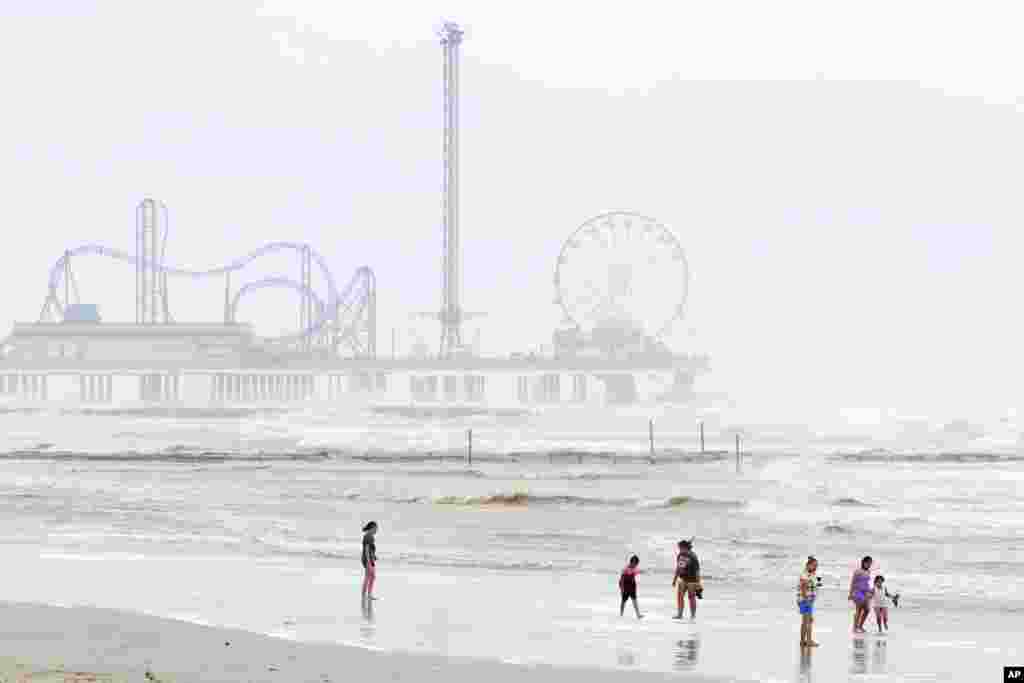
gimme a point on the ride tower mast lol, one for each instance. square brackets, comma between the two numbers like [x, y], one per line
[451, 314]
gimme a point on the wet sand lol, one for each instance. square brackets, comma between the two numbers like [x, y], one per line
[44, 644]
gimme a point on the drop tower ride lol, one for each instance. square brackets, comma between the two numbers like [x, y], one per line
[451, 314]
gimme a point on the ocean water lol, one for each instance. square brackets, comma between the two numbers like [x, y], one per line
[254, 522]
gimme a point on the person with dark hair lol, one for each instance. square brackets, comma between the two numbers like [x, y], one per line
[881, 599]
[627, 586]
[860, 593]
[687, 577]
[806, 593]
[369, 560]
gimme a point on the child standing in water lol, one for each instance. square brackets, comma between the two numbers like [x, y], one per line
[627, 586]
[369, 560]
[805, 596]
[880, 601]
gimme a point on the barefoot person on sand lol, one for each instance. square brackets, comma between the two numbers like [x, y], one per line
[627, 586]
[688, 577]
[860, 593]
[881, 599]
[806, 594]
[369, 560]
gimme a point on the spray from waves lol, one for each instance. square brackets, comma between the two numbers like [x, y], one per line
[580, 476]
[533, 537]
[540, 455]
[463, 473]
[172, 455]
[885, 456]
[689, 501]
[509, 499]
[852, 502]
[284, 449]
[524, 498]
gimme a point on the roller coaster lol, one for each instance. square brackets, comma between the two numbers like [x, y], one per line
[343, 322]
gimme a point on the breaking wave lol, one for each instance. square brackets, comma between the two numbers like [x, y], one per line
[523, 498]
[852, 502]
[881, 455]
[172, 455]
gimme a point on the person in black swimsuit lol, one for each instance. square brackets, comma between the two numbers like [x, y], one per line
[369, 560]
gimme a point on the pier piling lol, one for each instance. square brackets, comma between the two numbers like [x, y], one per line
[650, 433]
[469, 447]
[702, 437]
[737, 453]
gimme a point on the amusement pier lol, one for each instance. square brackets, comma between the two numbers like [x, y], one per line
[621, 282]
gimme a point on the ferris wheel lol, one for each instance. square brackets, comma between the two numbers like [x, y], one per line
[624, 270]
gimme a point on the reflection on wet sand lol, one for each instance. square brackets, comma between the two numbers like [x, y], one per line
[626, 658]
[859, 656]
[686, 654]
[878, 657]
[367, 629]
[806, 673]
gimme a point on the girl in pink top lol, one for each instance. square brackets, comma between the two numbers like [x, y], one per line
[627, 586]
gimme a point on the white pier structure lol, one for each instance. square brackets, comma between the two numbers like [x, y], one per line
[204, 365]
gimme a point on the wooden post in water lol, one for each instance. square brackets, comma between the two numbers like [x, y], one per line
[469, 446]
[737, 453]
[650, 433]
[702, 437]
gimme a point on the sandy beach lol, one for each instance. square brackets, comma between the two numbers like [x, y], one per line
[45, 644]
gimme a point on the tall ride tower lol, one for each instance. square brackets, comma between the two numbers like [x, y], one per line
[451, 314]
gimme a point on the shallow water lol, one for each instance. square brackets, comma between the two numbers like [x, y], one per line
[512, 558]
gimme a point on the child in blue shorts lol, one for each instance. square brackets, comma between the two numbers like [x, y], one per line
[806, 593]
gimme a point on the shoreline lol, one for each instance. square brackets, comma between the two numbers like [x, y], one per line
[48, 644]
[45, 643]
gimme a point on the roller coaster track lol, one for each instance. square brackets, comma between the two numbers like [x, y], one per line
[338, 304]
[274, 282]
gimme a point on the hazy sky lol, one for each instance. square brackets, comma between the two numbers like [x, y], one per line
[844, 178]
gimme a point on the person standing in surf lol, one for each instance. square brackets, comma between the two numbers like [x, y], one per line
[627, 586]
[805, 596]
[881, 599]
[369, 560]
[860, 593]
[687, 578]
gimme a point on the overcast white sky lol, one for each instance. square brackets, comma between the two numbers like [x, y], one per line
[844, 177]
